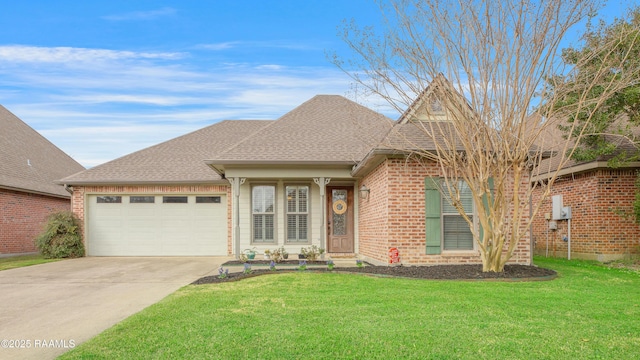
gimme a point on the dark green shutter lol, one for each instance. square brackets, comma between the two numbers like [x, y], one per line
[485, 203]
[433, 214]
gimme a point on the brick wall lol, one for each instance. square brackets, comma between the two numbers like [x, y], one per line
[393, 216]
[79, 192]
[601, 203]
[22, 219]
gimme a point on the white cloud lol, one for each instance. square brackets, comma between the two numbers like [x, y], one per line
[141, 15]
[100, 104]
[219, 46]
[34, 54]
[274, 44]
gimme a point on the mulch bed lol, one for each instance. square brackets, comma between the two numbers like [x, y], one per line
[435, 272]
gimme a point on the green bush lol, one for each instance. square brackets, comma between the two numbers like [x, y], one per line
[62, 237]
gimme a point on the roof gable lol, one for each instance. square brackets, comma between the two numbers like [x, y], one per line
[430, 106]
[30, 162]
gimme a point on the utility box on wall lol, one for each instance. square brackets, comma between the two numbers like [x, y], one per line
[559, 211]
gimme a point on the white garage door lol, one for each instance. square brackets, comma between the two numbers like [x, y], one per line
[156, 225]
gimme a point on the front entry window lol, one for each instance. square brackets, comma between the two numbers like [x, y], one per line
[263, 212]
[339, 213]
[297, 214]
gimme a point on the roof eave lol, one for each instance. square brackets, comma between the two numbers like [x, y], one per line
[140, 182]
[44, 193]
[584, 167]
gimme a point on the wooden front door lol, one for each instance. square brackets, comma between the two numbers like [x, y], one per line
[340, 219]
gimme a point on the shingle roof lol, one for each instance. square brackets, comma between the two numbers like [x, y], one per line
[28, 161]
[179, 160]
[324, 129]
[552, 140]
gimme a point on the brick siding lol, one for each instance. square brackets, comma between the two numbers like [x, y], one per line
[22, 218]
[602, 227]
[394, 216]
[79, 192]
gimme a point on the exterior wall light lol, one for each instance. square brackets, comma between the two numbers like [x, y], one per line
[364, 192]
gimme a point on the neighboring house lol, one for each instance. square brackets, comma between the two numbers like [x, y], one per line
[322, 174]
[29, 167]
[602, 225]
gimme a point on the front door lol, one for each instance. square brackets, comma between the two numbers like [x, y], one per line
[340, 219]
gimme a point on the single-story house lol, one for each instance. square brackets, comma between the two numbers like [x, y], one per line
[321, 175]
[29, 167]
[600, 198]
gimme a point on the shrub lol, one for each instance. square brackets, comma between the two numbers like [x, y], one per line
[62, 237]
[312, 252]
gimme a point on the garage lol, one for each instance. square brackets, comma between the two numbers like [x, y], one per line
[156, 225]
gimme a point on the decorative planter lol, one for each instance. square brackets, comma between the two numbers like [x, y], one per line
[300, 256]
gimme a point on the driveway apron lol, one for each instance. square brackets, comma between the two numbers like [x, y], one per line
[48, 309]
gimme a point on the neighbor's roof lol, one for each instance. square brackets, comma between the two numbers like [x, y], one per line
[552, 140]
[179, 160]
[327, 129]
[28, 161]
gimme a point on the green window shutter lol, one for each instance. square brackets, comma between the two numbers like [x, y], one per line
[433, 214]
[485, 203]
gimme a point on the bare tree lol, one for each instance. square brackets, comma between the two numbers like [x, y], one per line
[478, 69]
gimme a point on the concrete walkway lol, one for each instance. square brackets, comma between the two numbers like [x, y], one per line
[47, 309]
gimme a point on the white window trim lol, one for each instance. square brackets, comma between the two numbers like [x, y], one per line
[274, 213]
[443, 199]
[287, 213]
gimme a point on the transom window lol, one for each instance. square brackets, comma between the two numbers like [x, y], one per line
[109, 199]
[175, 199]
[207, 199]
[142, 199]
[457, 234]
[297, 214]
[263, 213]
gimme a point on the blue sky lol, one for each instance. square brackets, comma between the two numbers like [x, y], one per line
[101, 79]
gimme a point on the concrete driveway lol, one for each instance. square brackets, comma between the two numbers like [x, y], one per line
[47, 309]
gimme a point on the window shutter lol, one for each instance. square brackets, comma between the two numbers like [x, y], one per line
[485, 203]
[433, 214]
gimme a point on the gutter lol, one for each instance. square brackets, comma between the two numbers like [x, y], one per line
[574, 169]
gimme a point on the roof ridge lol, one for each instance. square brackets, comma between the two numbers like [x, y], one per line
[271, 122]
[250, 136]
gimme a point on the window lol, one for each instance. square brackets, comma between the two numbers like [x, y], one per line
[263, 213]
[142, 199]
[456, 232]
[297, 214]
[109, 199]
[175, 199]
[207, 199]
[445, 228]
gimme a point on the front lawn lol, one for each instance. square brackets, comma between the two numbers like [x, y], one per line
[589, 311]
[24, 260]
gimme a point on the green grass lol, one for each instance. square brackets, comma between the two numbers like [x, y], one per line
[588, 312]
[13, 262]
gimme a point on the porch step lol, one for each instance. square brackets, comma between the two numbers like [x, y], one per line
[353, 256]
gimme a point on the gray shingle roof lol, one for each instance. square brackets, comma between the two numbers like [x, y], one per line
[28, 161]
[324, 129]
[552, 140]
[179, 160]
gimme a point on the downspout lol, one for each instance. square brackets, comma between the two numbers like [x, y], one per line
[68, 188]
[531, 244]
[569, 239]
